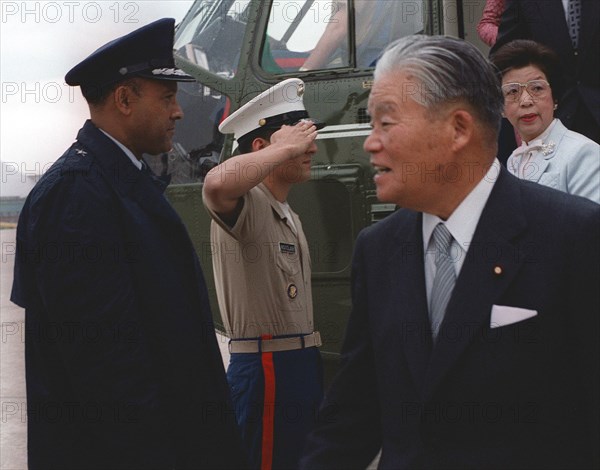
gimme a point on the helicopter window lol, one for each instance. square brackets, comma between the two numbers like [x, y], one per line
[380, 22]
[211, 35]
[316, 35]
[197, 143]
[294, 30]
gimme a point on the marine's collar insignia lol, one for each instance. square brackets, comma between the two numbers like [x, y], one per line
[81, 152]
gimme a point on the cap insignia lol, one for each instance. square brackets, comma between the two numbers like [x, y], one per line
[168, 72]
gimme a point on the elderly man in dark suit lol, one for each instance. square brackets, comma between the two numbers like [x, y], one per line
[122, 365]
[570, 28]
[473, 337]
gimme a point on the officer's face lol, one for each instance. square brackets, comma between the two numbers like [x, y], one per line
[154, 115]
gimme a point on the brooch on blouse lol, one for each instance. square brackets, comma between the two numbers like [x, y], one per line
[548, 148]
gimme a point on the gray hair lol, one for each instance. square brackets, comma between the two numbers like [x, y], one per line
[449, 70]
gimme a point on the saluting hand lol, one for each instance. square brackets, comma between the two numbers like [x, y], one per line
[297, 139]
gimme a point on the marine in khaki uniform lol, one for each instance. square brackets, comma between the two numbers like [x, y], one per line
[262, 272]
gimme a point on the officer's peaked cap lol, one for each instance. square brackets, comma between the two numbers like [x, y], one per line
[280, 105]
[146, 52]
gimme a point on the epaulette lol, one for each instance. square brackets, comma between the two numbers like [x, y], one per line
[76, 159]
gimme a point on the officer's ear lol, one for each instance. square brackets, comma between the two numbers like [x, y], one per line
[125, 95]
[122, 99]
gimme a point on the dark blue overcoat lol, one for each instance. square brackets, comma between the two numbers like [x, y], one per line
[123, 368]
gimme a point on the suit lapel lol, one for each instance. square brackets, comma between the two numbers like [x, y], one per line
[551, 143]
[491, 264]
[590, 12]
[407, 269]
[552, 13]
[148, 193]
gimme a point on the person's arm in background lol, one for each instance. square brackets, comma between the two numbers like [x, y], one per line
[487, 28]
[334, 34]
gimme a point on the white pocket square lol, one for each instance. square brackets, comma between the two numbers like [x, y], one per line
[503, 315]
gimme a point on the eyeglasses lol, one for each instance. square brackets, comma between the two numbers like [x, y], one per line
[536, 88]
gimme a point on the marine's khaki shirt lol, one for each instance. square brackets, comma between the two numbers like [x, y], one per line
[262, 270]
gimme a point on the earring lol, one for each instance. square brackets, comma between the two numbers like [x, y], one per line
[555, 107]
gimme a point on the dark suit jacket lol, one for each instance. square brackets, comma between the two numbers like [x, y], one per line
[122, 365]
[544, 21]
[524, 395]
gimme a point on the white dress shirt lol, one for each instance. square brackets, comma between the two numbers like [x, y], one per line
[565, 4]
[129, 153]
[461, 224]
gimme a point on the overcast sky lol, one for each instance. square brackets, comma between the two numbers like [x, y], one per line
[39, 42]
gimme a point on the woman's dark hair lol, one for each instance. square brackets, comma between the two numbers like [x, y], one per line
[523, 52]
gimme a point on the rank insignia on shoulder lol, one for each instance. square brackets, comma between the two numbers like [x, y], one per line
[287, 248]
[292, 291]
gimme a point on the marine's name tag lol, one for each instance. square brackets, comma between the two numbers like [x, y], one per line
[287, 248]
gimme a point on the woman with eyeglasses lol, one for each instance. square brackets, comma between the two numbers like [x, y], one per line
[550, 154]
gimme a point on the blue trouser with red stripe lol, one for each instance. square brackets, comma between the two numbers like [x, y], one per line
[276, 398]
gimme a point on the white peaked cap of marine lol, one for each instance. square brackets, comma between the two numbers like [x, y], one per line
[282, 104]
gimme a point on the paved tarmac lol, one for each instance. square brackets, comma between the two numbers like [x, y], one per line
[13, 419]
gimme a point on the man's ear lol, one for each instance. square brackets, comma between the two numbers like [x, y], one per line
[463, 127]
[123, 98]
[259, 143]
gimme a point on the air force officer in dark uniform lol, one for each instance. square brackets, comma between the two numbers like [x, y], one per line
[473, 336]
[122, 365]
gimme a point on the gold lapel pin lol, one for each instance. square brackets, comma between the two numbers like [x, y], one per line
[498, 270]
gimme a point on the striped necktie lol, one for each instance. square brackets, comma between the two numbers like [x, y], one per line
[574, 19]
[445, 277]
